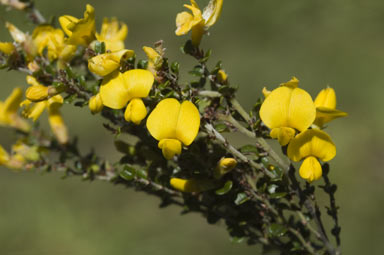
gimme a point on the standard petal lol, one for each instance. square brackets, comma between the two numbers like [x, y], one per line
[274, 110]
[162, 121]
[136, 111]
[188, 123]
[184, 23]
[139, 82]
[170, 148]
[212, 12]
[83, 31]
[312, 142]
[326, 98]
[310, 169]
[65, 21]
[113, 91]
[292, 83]
[302, 111]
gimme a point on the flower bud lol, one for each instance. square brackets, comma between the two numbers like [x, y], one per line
[135, 111]
[96, 104]
[7, 48]
[222, 76]
[192, 185]
[224, 166]
[37, 93]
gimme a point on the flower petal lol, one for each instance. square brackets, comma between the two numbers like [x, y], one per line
[7, 48]
[136, 111]
[139, 82]
[312, 142]
[188, 123]
[57, 125]
[12, 103]
[170, 148]
[326, 98]
[284, 135]
[325, 115]
[4, 156]
[212, 12]
[114, 91]
[162, 121]
[184, 23]
[83, 31]
[287, 107]
[64, 21]
[106, 63]
[310, 169]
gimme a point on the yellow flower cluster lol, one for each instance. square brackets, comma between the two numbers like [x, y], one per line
[198, 22]
[297, 121]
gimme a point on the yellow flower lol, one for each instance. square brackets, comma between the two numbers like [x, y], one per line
[7, 48]
[4, 156]
[8, 111]
[17, 35]
[80, 31]
[38, 92]
[287, 109]
[198, 22]
[172, 123]
[191, 185]
[224, 166]
[326, 111]
[52, 39]
[311, 145]
[222, 76]
[106, 63]
[34, 111]
[118, 89]
[155, 60]
[112, 35]
[96, 104]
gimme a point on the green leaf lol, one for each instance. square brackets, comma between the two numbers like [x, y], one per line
[241, 198]
[142, 173]
[249, 149]
[276, 230]
[175, 66]
[225, 189]
[221, 127]
[142, 64]
[278, 195]
[128, 173]
[99, 47]
[237, 239]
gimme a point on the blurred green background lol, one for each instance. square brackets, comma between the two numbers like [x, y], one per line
[262, 43]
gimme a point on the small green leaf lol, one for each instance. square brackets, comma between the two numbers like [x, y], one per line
[276, 230]
[237, 239]
[128, 173]
[175, 66]
[142, 173]
[278, 195]
[99, 47]
[221, 127]
[142, 64]
[225, 189]
[241, 198]
[249, 149]
[272, 188]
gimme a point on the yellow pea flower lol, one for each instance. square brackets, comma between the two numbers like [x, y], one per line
[96, 104]
[8, 111]
[80, 31]
[155, 60]
[172, 124]
[192, 185]
[224, 166]
[198, 21]
[311, 145]
[287, 109]
[52, 39]
[222, 76]
[118, 89]
[112, 35]
[7, 48]
[106, 63]
[38, 92]
[326, 111]
[34, 111]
